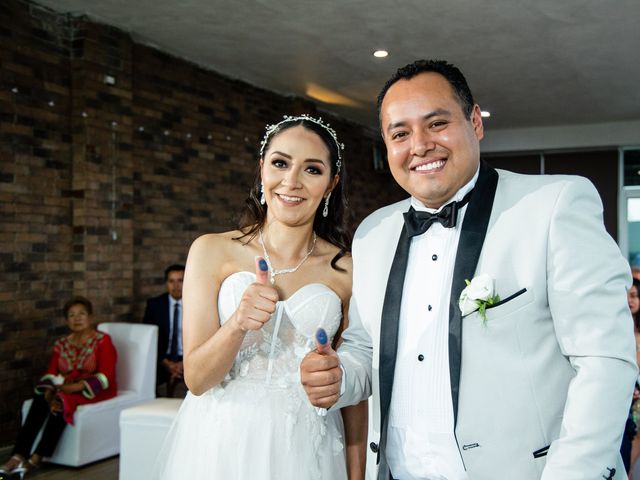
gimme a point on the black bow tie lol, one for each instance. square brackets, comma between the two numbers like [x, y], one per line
[419, 222]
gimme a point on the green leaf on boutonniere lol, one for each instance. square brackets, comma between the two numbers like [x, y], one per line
[482, 311]
[483, 304]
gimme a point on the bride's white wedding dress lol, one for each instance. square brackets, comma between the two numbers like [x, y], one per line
[258, 423]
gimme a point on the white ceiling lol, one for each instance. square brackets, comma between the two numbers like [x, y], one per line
[531, 63]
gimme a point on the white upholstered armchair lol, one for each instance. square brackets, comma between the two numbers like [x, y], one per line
[96, 434]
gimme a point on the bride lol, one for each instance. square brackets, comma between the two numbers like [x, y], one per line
[246, 415]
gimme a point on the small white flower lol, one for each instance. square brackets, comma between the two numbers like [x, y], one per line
[480, 287]
[467, 305]
[477, 295]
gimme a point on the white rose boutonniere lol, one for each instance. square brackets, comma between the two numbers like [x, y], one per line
[477, 295]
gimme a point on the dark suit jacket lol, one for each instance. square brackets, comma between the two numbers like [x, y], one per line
[157, 313]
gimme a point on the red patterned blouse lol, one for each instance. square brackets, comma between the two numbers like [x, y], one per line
[92, 363]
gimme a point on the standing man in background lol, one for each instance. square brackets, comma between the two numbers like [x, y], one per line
[165, 311]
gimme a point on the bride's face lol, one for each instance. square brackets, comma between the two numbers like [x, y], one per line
[296, 174]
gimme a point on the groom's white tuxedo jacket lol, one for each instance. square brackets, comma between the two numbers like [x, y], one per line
[543, 388]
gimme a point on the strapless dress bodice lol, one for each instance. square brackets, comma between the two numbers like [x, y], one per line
[273, 353]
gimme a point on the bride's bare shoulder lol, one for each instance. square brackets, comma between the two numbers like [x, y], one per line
[218, 240]
[216, 246]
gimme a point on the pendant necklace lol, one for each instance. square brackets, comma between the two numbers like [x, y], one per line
[279, 271]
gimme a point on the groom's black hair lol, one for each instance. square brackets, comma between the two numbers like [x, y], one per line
[450, 72]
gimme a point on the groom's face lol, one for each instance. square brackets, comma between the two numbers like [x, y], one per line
[433, 148]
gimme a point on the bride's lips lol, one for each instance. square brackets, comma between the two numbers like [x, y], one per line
[431, 166]
[290, 200]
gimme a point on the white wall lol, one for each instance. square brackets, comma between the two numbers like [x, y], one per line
[614, 134]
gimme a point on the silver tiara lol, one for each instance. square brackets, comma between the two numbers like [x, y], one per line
[318, 121]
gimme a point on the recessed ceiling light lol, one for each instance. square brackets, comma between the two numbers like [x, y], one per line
[485, 114]
[380, 53]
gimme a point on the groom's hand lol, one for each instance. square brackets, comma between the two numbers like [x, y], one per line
[321, 374]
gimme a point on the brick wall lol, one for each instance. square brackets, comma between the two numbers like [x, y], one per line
[102, 186]
[36, 226]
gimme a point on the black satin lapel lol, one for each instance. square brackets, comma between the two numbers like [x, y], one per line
[389, 326]
[474, 230]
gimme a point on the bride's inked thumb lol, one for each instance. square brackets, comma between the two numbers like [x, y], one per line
[322, 341]
[262, 271]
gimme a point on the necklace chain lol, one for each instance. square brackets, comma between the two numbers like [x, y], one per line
[279, 271]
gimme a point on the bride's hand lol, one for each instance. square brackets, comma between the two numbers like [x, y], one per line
[258, 301]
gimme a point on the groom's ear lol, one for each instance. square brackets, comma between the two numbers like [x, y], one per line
[476, 121]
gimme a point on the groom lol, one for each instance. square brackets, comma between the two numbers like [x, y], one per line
[537, 382]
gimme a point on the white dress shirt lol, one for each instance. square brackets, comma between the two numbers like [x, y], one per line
[421, 442]
[172, 302]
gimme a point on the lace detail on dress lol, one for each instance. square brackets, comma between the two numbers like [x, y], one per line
[274, 352]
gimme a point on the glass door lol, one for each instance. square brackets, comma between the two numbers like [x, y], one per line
[629, 211]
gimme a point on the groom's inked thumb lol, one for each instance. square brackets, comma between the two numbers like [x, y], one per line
[322, 341]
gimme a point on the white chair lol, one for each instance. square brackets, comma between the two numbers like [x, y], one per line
[143, 429]
[96, 434]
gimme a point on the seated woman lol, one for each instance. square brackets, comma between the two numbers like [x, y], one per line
[82, 370]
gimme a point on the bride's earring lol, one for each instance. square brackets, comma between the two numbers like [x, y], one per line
[262, 199]
[325, 210]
